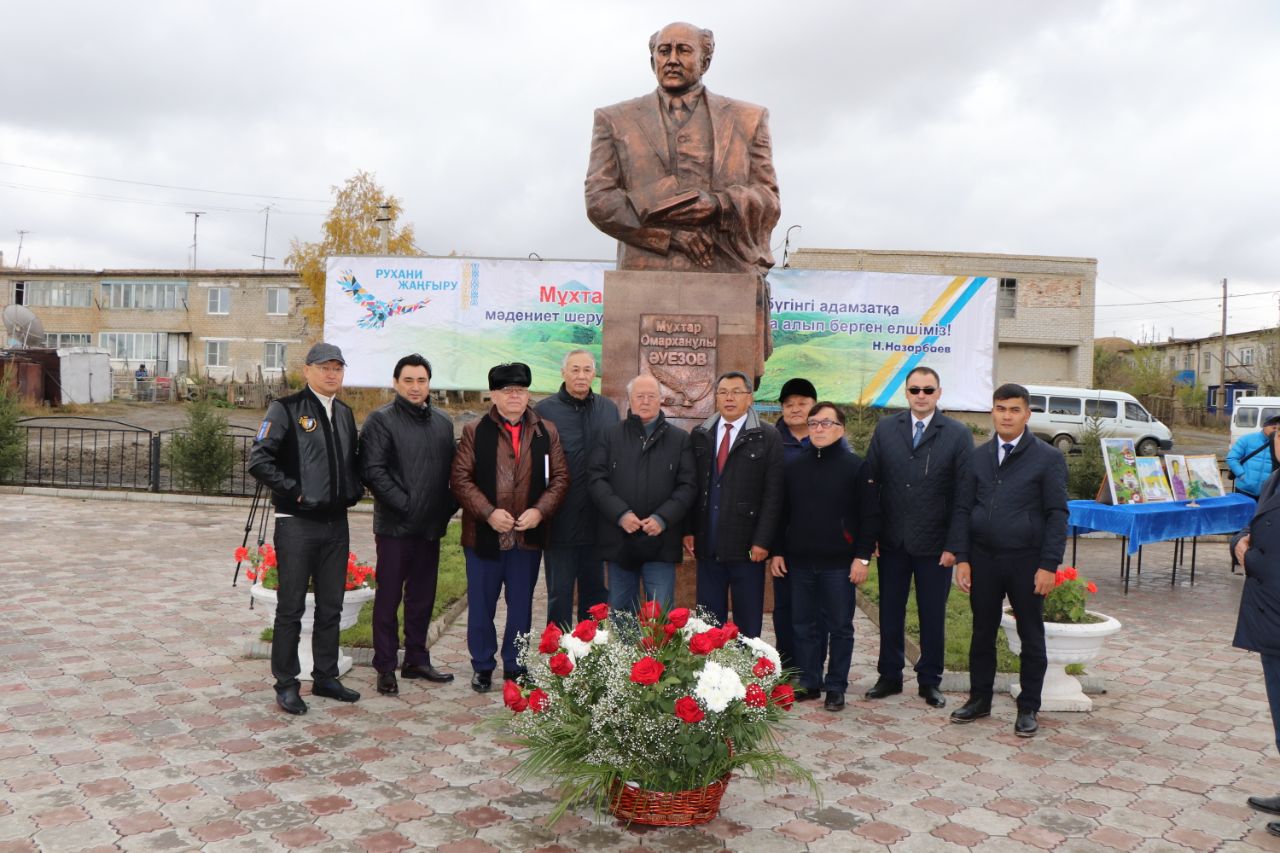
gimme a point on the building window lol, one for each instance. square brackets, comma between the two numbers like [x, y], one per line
[1186, 361]
[152, 295]
[1204, 361]
[219, 300]
[273, 356]
[216, 354]
[56, 340]
[135, 346]
[1246, 355]
[53, 294]
[277, 300]
[1173, 362]
[1008, 298]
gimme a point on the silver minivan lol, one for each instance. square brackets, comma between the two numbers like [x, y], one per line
[1060, 416]
[1250, 413]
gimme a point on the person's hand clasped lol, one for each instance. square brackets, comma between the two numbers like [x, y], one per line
[529, 519]
[696, 245]
[947, 560]
[501, 520]
[651, 526]
[629, 522]
[757, 554]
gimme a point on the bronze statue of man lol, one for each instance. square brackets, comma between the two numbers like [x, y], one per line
[684, 178]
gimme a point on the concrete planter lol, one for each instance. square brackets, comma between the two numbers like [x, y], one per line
[352, 601]
[1064, 644]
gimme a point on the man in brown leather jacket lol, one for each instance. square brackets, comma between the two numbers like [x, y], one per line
[510, 477]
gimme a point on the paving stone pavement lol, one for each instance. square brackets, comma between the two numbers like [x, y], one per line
[129, 721]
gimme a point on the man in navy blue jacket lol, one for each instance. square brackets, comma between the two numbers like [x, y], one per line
[1012, 513]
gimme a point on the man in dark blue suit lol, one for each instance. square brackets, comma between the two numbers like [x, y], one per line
[1012, 510]
[1257, 547]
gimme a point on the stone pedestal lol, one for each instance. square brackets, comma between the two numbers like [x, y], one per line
[684, 329]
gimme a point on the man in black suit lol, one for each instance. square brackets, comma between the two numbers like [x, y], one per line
[1012, 512]
[1258, 626]
[739, 468]
[918, 458]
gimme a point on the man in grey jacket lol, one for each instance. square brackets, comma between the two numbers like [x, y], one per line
[581, 416]
[918, 458]
[406, 451]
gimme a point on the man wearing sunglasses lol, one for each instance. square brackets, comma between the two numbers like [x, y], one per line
[918, 458]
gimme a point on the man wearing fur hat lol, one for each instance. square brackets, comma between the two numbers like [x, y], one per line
[509, 477]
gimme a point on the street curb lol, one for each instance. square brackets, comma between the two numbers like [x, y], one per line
[256, 649]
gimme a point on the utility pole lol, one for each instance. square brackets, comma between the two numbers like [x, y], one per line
[265, 222]
[384, 225]
[1222, 356]
[17, 262]
[195, 230]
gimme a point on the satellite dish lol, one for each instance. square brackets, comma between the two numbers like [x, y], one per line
[22, 328]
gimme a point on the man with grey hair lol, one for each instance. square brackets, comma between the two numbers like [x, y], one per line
[581, 416]
[641, 479]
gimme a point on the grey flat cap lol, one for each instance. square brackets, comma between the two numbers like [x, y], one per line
[325, 352]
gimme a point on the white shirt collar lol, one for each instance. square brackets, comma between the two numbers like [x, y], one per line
[327, 402]
[925, 421]
[737, 427]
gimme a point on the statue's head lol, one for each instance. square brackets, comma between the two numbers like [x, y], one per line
[679, 55]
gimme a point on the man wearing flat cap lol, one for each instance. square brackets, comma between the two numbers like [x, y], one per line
[509, 477]
[305, 453]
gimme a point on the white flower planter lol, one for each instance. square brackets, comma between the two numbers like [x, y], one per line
[1064, 644]
[352, 601]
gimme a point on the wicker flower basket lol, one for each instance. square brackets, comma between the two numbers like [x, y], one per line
[668, 808]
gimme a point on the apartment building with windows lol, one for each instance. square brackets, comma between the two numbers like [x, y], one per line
[216, 323]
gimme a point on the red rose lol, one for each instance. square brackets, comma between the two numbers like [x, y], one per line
[512, 697]
[586, 630]
[783, 696]
[1091, 586]
[242, 554]
[539, 701]
[650, 610]
[730, 631]
[756, 697]
[688, 711]
[560, 664]
[646, 671]
[1070, 573]
[763, 667]
[703, 644]
[550, 640]
[717, 636]
[679, 617]
[599, 612]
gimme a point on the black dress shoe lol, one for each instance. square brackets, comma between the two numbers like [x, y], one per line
[387, 684]
[1026, 725]
[289, 700]
[1270, 805]
[884, 687]
[807, 694]
[514, 674]
[933, 696]
[427, 671]
[972, 710]
[835, 701]
[482, 682]
[1274, 827]
[333, 689]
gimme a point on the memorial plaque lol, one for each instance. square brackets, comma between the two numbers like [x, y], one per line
[679, 350]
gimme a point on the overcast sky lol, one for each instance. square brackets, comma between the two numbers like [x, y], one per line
[1143, 134]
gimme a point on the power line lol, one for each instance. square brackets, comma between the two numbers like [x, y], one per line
[1172, 301]
[151, 202]
[162, 186]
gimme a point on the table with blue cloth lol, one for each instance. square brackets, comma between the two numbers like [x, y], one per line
[1140, 524]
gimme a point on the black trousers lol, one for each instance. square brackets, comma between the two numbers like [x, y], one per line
[996, 575]
[933, 586]
[309, 552]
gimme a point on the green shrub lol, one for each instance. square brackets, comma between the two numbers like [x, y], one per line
[1086, 472]
[13, 438]
[203, 455]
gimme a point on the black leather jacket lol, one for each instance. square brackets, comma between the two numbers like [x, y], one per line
[308, 463]
[406, 452]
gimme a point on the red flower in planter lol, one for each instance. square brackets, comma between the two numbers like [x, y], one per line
[1091, 586]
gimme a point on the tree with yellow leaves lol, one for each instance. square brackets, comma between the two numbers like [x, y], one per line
[352, 228]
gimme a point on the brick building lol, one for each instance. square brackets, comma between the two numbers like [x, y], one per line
[216, 323]
[1045, 314]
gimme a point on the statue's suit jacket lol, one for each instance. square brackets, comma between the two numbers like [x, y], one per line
[630, 171]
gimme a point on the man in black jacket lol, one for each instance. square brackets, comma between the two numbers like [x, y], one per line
[918, 458]
[305, 453]
[739, 468]
[641, 482]
[581, 416]
[406, 451]
[1012, 510]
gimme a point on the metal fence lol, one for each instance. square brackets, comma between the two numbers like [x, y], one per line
[99, 453]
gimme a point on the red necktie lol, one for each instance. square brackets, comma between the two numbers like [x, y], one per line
[723, 455]
[513, 430]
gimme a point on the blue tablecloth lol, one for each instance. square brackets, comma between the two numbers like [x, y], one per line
[1158, 522]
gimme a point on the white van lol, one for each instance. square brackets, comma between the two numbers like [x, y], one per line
[1060, 416]
[1251, 413]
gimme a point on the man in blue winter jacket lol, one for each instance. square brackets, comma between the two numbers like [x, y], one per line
[1252, 460]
